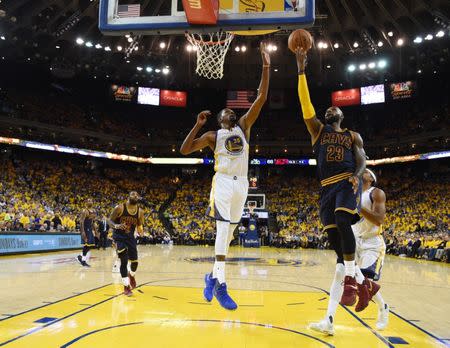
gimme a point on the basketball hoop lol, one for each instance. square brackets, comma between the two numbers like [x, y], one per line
[211, 51]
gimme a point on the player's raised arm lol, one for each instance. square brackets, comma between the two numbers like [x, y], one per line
[193, 144]
[360, 158]
[309, 114]
[247, 121]
[378, 212]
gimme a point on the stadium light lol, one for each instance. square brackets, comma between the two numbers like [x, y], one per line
[165, 71]
[400, 42]
[148, 69]
[362, 66]
[79, 41]
[158, 70]
[162, 44]
[136, 48]
[372, 65]
[188, 48]
[351, 68]
[419, 71]
[130, 39]
[322, 45]
[336, 45]
[325, 46]
[418, 39]
[440, 33]
[58, 47]
[382, 64]
[328, 66]
[119, 48]
[244, 48]
[429, 37]
[355, 44]
[107, 48]
[89, 44]
[98, 46]
[390, 34]
[139, 68]
[380, 44]
[237, 48]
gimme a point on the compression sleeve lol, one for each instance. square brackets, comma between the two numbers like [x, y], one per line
[305, 101]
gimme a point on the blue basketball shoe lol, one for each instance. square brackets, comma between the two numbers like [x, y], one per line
[210, 282]
[220, 291]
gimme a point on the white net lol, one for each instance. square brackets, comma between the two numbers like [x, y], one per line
[211, 51]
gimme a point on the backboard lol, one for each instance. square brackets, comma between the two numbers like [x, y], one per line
[234, 15]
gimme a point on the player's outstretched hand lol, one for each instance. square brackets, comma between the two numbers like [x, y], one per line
[301, 55]
[264, 53]
[203, 117]
[354, 180]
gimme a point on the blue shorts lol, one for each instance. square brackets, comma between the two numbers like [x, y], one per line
[90, 239]
[339, 197]
[126, 241]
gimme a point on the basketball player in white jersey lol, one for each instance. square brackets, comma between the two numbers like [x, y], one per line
[370, 250]
[230, 183]
[370, 246]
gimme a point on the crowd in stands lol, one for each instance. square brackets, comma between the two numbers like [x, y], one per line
[119, 120]
[48, 195]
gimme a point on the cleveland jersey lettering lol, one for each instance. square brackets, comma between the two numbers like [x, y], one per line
[335, 157]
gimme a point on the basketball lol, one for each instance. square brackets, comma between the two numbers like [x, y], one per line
[300, 38]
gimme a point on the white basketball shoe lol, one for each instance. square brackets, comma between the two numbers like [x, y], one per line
[383, 318]
[324, 326]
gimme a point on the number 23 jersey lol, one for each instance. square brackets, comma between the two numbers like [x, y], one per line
[335, 156]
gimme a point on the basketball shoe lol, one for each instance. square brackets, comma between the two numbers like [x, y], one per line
[324, 326]
[208, 291]
[366, 291]
[132, 281]
[349, 295]
[221, 293]
[83, 263]
[383, 317]
[127, 291]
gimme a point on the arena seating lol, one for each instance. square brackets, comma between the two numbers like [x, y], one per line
[43, 195]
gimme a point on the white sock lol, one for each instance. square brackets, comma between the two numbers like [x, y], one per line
[83, 258]
[336, 290]
[132, 273]
[378, 299]
[350, 268]
[126, 281]
[359, 276]
[88, 256]
[219, 271]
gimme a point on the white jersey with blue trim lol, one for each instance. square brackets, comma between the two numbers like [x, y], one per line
[231, 152]
[364, 228]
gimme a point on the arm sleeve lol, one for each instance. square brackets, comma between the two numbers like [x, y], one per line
[305, 100]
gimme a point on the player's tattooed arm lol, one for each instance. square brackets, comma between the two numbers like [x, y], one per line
[309, 114]
[378, 212]
[191, 143]
[247, 121]
[360, 158]
[82, 231]
[117, 212]
[140, 225]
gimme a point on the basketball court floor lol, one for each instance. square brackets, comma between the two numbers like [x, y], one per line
[49, 300]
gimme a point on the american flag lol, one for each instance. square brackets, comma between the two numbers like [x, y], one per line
[124, 11]
[240, 99]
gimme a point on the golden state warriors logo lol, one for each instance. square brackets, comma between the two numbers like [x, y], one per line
[234, 145]
[252, 227]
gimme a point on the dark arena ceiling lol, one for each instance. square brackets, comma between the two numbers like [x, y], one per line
[45, 32]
